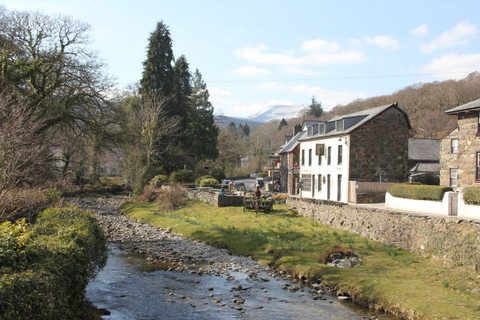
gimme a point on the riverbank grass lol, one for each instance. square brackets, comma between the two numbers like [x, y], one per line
[392, 279]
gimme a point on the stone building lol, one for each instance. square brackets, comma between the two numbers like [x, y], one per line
[366, 146]
[460, 149]
[290, 158]
[424, 159]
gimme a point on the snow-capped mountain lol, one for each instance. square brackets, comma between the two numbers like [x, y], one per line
[278, 112]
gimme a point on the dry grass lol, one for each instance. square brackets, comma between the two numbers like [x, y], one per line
[26, 203]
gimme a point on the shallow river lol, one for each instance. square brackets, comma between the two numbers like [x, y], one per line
[130, 289]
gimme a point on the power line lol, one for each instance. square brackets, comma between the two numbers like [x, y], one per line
[339, 77]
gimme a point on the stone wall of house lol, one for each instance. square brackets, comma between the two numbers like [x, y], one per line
[214, 198]
[447, 159]
[449, 239]
[380, 146]
[464, 160]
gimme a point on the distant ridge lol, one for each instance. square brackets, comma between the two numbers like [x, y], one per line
[224, 121]
[278, 112]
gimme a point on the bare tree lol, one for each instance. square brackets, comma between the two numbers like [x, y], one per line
[150, 134]
[23, 153]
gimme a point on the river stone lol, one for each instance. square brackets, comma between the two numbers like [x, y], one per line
[344, 264]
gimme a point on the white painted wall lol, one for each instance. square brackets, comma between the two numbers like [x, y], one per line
[467, 210]
[333, 169]
[420, 206]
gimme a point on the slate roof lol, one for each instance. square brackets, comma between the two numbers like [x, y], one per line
[426, 167]
[367, 115]
[309, 123]
[424, 150]
[290, 145]
[473, 105]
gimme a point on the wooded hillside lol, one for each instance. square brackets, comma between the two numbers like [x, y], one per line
[425, 104]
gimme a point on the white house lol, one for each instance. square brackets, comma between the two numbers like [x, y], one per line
[369, 145]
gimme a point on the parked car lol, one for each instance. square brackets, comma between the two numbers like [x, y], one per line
[238, 185]
[254, 175]
[226, 183]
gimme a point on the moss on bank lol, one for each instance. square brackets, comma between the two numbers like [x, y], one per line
[392, 279]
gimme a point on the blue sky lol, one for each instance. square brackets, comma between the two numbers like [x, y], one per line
[254, 54]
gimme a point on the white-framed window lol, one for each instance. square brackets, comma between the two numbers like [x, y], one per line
[340, 154]
[454, 176]
[303, 157]
[309, 157]
[329, 155]
[306, 182]
[319, 183]
[454, 146]
[339, 125]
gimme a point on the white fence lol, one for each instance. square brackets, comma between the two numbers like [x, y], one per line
[452, 204]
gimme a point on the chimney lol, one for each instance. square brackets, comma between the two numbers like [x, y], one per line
[297, 129]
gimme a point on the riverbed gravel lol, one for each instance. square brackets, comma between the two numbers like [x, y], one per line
[162, 246]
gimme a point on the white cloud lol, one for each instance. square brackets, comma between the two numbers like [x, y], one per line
[329, 98]
[250, 71]
[320, 45]
[421, 30]
[460, 34]
[299, 71]
[260, 54]
[383, 41]
[454, 66]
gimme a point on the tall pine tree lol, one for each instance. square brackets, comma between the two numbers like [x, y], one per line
[202, 128]
[158, 74]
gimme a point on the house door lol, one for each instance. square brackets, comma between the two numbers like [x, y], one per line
[313, 186]
[339, 188]
[328, 187]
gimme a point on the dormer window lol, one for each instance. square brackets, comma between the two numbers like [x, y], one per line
[314, 129]
[321, 128]
[339, 125]
[309, 131]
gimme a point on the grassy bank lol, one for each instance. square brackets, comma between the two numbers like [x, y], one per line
[389, 278]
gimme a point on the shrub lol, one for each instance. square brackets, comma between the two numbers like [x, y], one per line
[46, 267]
[218, 174]
[471, 195]
[182, 176]
[199, 179]
[418, 192]
[159, 180]
[212, 182]
[26, 203]
[149, 194]
[172, 197]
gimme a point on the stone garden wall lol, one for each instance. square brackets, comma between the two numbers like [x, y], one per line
[450, 239]
[212, 197]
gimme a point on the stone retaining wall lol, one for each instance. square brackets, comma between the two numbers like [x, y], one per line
[449, 239]
[212, 197]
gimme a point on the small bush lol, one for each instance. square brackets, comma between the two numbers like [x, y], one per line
[418, 192]
[211, 182]
[150, 193]
[218, 174]
[27, 203]
[471, 195]
[46, 267]
[199, 179]
[159, 180]
[172, 197]
[182, 176]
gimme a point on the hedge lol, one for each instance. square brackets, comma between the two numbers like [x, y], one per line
[46, 267]
[199, 179]
[209, 183]
[182, 176]
[471, 195]
[418, 192]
